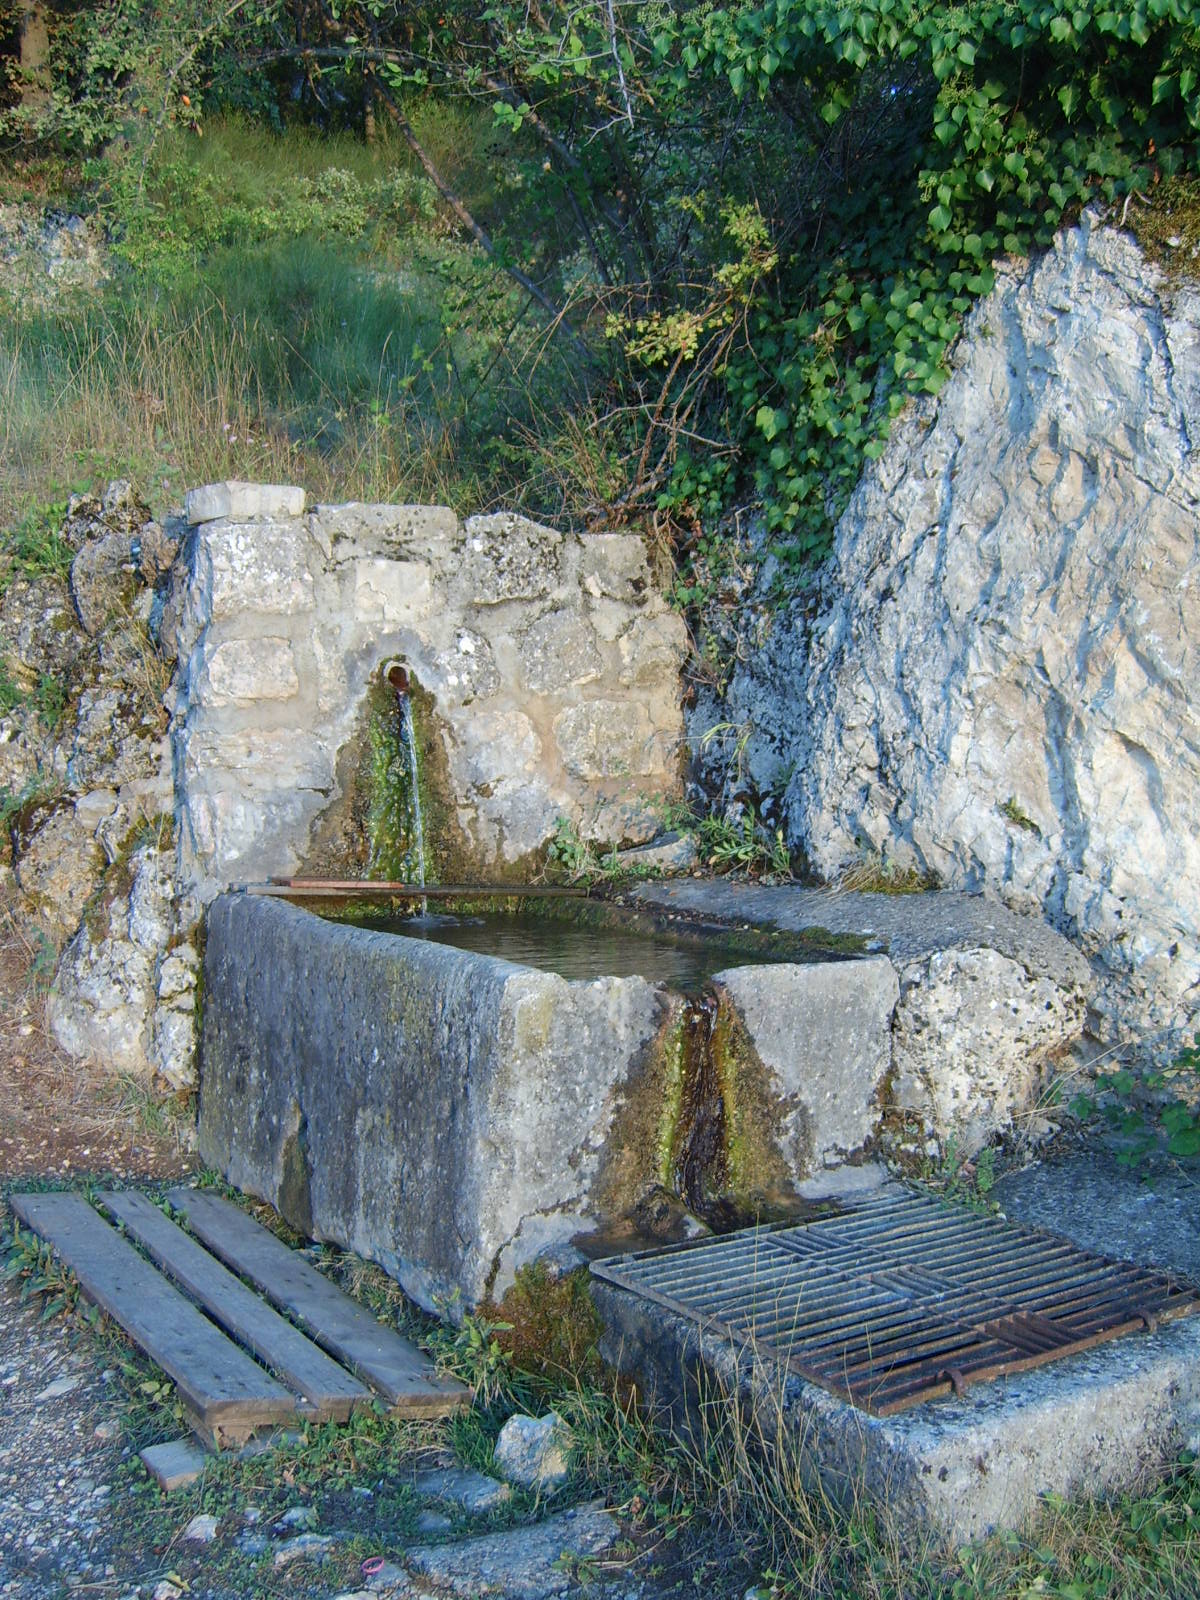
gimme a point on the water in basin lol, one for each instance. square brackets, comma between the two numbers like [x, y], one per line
[581, 950]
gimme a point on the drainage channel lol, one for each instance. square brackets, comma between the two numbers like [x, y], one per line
[902, 1300]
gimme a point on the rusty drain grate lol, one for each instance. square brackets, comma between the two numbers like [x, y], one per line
[904, 1298]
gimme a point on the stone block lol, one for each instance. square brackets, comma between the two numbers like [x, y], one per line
[240, 568]
[175, 1464]
[237, 501]
[559, 652]
[824, 1034]
[614, 566]
[509, 558]
[400, 533]
[398, 593]
[242, 672]
[653, 651]
[608, 739]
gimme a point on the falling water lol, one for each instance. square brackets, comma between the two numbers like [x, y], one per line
[395, 826]
[408, 736]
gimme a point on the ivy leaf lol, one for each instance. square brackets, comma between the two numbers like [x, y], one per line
[940, 219]
[1068, 99]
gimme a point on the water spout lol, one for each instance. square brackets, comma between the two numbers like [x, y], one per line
[396, 824]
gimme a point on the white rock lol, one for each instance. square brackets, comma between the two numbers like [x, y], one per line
[233, 499]
[60, 1387]
[202, 1529]
[304, 1547]
[532, 1451]
[998, 685]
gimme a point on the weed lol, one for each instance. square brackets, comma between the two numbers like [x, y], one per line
[876, 873]
[36, 548]
[33, 1263]
[50, 697]
[1019, 818]
[966, 1181]
[12, 696]
[1152, 1110]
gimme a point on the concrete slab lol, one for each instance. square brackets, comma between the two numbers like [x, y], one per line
[1149, 1213]
[907, 927]
[954, 1469]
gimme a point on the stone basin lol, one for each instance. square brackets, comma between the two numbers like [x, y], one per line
[454, 1116]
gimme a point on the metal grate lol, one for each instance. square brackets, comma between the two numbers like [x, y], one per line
[904, 1298]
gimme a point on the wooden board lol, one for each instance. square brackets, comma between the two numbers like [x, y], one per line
[378, 1355]
[329, 1389]
[215, 1379]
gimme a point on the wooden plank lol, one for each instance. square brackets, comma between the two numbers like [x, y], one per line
[378, 1355]
[328, 1388]
[214, 1378]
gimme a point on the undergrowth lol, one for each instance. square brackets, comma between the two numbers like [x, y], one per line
[725, 1506]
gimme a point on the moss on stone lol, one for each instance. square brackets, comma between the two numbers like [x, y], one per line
[757, 1172]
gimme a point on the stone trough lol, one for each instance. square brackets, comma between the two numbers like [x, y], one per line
[454, 1116]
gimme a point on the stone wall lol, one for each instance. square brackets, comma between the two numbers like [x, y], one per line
[546, 667]
[548, 663]
[997, 681]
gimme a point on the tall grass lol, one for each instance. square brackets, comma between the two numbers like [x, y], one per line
[288, 308]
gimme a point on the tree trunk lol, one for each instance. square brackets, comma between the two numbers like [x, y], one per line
[35, 51]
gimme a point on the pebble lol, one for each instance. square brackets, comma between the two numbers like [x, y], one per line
[60, 1386]
[304, 1547]
[202, 1529]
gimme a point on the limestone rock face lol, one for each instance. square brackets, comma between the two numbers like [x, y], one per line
[549, 667]
[998, 681]
[105, 991]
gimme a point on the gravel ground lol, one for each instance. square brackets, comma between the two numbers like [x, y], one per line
[59, 1447]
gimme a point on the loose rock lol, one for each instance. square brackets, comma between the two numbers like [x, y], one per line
[532, 1451]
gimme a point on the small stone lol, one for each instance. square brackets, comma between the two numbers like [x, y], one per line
[297, 1517]
[107, 1430]
[60, 1387]
[304, 1547]
[532, 1451]
[166, 1590]
[202, 1529]
[390, 1579]
[175, 1464]
[252, 1544]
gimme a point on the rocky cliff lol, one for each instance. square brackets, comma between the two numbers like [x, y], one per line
[995, 682]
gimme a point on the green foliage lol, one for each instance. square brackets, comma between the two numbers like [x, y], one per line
[966, 1181]
[32, 1263]
[755, 229]
[1151, 1111]
[36, 548]
[578, 860]
[969, 131]
[741, 843]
